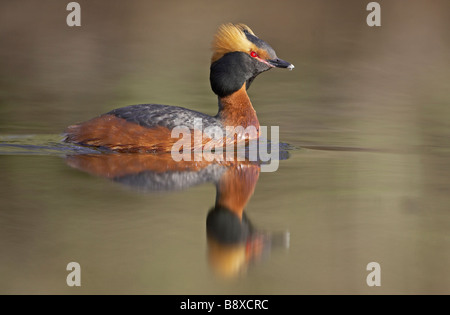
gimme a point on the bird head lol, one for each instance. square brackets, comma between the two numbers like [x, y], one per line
[238, 57]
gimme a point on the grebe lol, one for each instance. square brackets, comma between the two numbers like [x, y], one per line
[238, 57]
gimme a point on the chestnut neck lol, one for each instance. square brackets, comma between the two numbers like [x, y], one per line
[236, 109]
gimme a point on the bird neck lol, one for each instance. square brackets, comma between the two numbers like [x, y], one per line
[236, 109]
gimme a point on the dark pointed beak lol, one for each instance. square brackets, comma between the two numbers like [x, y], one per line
[280, 63]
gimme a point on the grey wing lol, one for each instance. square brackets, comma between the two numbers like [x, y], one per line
[154, 115]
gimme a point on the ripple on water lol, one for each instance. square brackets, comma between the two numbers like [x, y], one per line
[53, 144]
[39, 145]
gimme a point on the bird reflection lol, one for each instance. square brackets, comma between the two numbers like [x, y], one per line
[233, 242]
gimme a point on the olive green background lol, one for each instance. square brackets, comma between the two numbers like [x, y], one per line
[374, 100]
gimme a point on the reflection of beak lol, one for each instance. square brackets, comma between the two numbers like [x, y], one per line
[261, 244]
[280, 63]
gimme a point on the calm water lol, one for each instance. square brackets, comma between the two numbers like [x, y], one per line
[364, 119]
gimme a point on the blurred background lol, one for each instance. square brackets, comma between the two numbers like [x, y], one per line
[366, 108]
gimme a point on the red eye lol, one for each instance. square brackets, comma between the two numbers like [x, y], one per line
[253, 54]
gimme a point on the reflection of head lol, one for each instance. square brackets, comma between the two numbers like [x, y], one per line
[227, 235]
[233, 243]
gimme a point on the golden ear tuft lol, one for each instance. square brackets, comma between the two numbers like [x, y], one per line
[229, 38]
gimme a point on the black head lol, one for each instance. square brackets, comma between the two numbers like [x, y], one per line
[239, 56]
